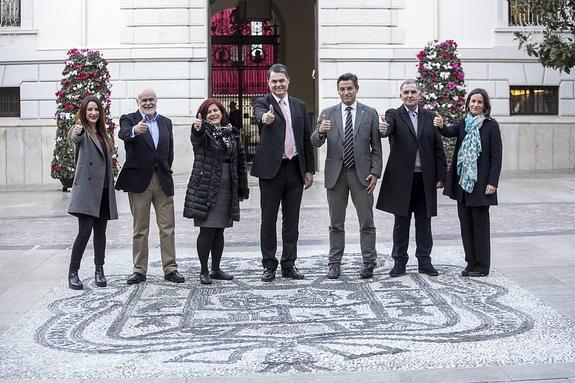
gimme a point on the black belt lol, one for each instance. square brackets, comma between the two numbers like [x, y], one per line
[294, 158]
[227, 161]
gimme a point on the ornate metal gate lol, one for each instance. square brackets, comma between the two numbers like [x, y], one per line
[242, 52]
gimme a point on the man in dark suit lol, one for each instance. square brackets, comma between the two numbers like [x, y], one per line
[284, 164]
[147, 177]
[415, 169]
[352, 166]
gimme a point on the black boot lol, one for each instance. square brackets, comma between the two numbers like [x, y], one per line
[99, 276]
[74, 281]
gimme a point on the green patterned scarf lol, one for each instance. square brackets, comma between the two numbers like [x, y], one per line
[469, 152]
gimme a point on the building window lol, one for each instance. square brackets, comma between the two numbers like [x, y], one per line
[9, 102]
[9, 13]
[522, 18]
[534, 100]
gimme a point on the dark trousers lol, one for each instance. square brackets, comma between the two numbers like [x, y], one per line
[423, 237]
[285, 188]
[475, 235]
[87, 224]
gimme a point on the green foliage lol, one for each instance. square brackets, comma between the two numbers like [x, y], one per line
[441, 79]
[85, 74]
[555, 47]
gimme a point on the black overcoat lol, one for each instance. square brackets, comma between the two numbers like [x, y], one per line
[395, 191]
[488, 164]
[207, 172]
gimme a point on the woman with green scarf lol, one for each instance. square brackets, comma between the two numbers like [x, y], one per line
[473, 177]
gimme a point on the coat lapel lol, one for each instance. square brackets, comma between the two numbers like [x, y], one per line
[407, 120]
[359, 114]
[97, 144]
[336, 119]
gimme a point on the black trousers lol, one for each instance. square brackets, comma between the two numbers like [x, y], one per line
[475, 235]
[286, 188]
[423, 237]
[87, 224]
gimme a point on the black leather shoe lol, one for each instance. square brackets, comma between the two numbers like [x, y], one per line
[221, 275]
[74, 281]
[367, 270]
[136, 278]
[428, 269]
[334, 271]
[397, 270]
[269, 275]
[292, 272]
[205, 279]
[175, 277]
[99, 276]
[464, 273]
[476, 274]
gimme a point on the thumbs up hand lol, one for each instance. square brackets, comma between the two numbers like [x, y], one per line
[141, 127]
[383, 125]
[198, 122]
[438, 121]
[268, 117]
[325, 125]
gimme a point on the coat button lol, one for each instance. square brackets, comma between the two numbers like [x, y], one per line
[89, 178]
[90, 162]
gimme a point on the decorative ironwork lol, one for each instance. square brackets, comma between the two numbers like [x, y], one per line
[522, 18]
[242, 52]
[9, 13]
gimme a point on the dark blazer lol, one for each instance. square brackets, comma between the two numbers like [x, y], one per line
[91, 164]
[206, 174]
[142, 157]
[366, 144]
[395, 191]
[488, 164]
[270, 149]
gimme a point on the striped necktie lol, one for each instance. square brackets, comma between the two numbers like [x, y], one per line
[348, 140]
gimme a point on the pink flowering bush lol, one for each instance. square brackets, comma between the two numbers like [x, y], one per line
[85, 74]
[441, 76]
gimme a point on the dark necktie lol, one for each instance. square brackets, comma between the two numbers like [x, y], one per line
[348, 140]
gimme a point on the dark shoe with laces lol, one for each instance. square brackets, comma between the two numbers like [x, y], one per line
[334, 271]
[136, 278]
[428, 269]
[175, 277]
[99, 276]
[292, 272]
[205, 279]
[367, 270]
[397, 270]
[221, 275]
[268, 275]
[74, 281]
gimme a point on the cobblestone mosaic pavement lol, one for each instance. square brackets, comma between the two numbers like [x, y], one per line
[309, 326]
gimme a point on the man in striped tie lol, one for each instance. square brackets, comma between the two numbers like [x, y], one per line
[352, 166]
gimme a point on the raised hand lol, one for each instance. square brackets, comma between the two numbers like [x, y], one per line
[198, 122]
[78, 128]
[438, 120]
[268, 117]
[325, 125]
[141, 127]
[383, 125]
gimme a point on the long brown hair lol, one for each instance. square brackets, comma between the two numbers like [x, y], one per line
[100, 124]
[486, 102]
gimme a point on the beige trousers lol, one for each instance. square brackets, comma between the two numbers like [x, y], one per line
[164, 207]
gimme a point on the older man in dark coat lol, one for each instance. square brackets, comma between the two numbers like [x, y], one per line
[415, 168]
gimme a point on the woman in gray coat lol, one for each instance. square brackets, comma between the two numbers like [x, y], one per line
[93, 199]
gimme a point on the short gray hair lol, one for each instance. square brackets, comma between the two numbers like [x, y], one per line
[410, 81]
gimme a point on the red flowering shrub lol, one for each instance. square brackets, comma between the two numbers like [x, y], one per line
[441, 76]
[85, 74]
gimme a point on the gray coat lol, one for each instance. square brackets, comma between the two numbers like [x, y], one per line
[366, 144]
[91, 163]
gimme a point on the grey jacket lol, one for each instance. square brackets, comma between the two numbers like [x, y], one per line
[91, 163]
[366, 144]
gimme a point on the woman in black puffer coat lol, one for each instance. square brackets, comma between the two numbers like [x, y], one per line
[217, 184]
